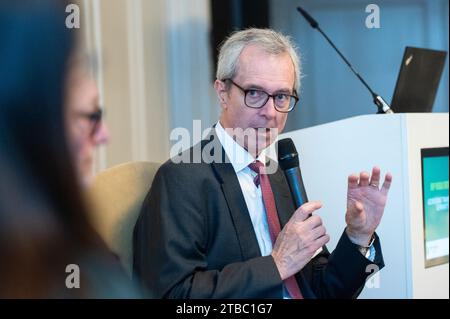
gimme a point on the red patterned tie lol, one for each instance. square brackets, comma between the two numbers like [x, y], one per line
[272, 219]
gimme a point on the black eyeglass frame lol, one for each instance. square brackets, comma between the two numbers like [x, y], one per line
[291, 107]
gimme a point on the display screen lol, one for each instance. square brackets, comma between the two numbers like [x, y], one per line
[435, 205]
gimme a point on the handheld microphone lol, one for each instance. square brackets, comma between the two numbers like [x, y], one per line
[383, 107]
[289, 163]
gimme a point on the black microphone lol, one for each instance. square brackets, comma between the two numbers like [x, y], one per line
[289, 163]
[308, 18]
[383, 107]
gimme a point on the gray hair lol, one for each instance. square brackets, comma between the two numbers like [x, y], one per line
[270, 41]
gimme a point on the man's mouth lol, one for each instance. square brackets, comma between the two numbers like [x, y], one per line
[263, 129]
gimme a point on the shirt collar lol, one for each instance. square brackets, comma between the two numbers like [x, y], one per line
[237, 155]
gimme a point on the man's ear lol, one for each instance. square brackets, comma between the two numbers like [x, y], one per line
[222, 93]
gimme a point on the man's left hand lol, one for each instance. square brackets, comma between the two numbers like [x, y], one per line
[365, 205]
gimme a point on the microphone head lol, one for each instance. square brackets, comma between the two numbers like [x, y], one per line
[310, 19]
[287, 154]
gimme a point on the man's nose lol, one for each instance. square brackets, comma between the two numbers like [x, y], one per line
[268, 110]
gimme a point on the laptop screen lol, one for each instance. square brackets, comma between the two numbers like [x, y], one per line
[418, 80]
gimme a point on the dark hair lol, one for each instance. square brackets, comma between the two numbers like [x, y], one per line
[43, 220]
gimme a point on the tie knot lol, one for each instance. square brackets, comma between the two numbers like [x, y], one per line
[257, 167]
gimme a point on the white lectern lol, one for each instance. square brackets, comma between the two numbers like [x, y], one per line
[330, 152]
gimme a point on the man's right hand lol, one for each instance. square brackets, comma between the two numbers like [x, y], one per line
[300, 238]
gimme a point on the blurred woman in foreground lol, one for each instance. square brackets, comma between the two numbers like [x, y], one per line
[45, 154]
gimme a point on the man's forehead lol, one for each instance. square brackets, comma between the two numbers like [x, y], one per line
[259, 68]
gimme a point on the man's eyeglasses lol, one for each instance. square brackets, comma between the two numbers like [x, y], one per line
[256, 98]
[95, 118]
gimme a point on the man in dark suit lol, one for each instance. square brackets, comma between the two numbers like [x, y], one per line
[224, 226]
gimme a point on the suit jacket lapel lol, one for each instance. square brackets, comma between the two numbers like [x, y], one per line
[235, 200]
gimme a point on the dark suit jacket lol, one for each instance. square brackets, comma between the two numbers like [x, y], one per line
[194, 238]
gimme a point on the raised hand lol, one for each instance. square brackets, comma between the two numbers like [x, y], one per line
[365, 204]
